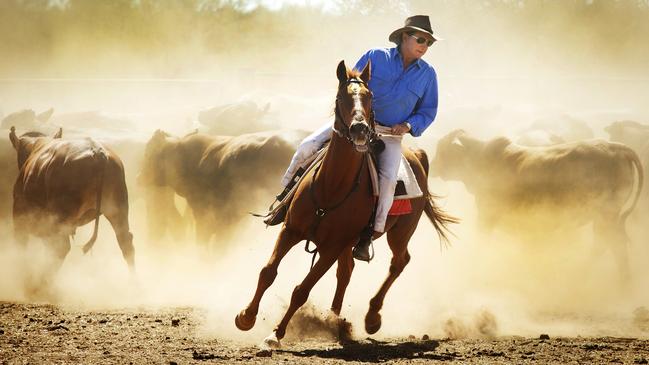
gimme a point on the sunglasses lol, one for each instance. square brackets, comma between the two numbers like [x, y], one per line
[422, 40]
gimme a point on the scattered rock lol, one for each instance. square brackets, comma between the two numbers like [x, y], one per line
[158, 320]
[264, 353]
[173, 363]
[102, 321]
[641, 360]
[544, 337]
[425, 337]
[106, 352]
[175, 322]
[57, 327]
[2, 332]
[412, 337]
[205, 356]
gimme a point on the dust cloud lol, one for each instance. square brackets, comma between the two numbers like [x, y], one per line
[503, 65]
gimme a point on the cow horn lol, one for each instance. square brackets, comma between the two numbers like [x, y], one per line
[13, 137]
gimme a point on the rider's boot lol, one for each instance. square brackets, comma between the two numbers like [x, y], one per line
[280, 214]
[362, 249]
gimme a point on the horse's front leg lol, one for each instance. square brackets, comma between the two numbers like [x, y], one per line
[343, 275]
[287, 238]
[301, 293]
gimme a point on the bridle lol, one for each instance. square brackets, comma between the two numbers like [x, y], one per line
[345, 132]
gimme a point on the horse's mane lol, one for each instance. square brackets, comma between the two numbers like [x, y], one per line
[353, 73]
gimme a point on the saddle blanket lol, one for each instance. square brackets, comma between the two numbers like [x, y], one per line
[407, 187]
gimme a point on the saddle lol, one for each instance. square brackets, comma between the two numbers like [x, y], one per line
[407, 188]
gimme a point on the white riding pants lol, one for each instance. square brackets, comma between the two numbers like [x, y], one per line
[388, 166]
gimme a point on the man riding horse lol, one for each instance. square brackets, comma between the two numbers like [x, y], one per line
[404, 100]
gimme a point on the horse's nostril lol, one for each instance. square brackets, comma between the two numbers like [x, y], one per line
[358, 128]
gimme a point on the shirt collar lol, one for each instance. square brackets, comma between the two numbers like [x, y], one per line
[396, 54]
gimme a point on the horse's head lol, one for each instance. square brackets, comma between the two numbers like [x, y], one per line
[354, 116]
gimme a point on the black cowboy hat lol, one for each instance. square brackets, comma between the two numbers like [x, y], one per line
[419, 23]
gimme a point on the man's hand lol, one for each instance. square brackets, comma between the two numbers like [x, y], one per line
[401, 129]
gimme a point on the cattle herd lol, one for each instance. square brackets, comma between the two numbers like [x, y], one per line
[58, 177]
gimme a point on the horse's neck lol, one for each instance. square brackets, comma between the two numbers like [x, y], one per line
[339, 169]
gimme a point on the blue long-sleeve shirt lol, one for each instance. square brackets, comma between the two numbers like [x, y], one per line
[401, 95]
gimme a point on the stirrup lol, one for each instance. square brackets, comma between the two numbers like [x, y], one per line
[358, 255]
[278, 217]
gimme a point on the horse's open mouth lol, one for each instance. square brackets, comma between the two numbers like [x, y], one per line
[361, 144]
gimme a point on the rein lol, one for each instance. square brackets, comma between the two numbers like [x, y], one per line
[321, 212]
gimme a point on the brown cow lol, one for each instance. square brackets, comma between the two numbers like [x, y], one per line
[560, 186]
[64, 184]
[219, 176]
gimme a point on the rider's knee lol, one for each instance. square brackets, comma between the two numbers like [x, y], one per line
[306, 149]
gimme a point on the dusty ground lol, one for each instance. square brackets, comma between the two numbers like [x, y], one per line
[36, 333]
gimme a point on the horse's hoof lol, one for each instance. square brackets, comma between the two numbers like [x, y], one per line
[372, 322]
[271, 342]
[242, 323]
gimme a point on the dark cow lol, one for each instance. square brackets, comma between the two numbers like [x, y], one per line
[543, 188]
[64, 184]
[221, 177]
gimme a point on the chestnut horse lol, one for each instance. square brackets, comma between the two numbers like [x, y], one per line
[333, 204]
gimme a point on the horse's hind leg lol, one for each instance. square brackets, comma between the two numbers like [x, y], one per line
[301, 294]
[398, 237]
[343, 274]
[287, 238]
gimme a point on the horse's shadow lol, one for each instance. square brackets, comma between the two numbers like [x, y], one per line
[378, 351]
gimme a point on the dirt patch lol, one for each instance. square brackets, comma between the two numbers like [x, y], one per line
[38, 333]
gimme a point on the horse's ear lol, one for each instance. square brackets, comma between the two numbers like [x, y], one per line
[59, 134]
[367, 71]
[342, 72]
[13, 137]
